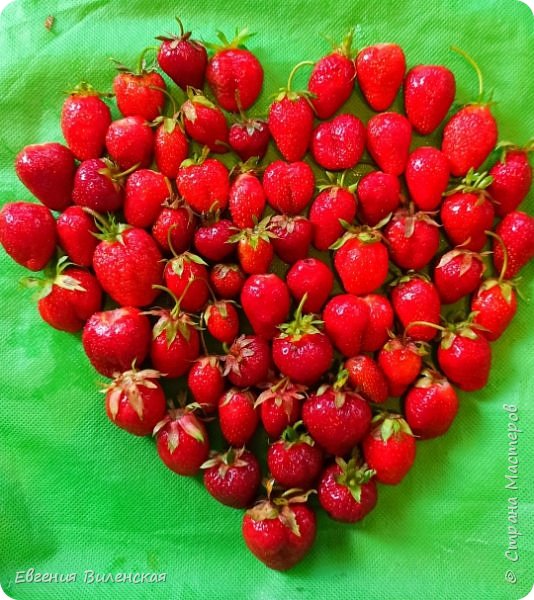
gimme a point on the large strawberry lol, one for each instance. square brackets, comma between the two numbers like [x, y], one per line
[248, 361]
[389, 136]
[212, 237]
[186, 276]
[246, 199]
[205, 381]
[292, 237]
[144, 194]
[255, 251]
[280, 405]
[238, 418]
[400, 360]
[338, 144]
[130, 142]
[312, 277]
[379, 195]
[516, 231]
[366, 378]
[288, 186]
[345, 320]
[205, 122]
[427, 177]
[457, 274]
[75, 229]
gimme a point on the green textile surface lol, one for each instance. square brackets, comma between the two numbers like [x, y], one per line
[77, 494]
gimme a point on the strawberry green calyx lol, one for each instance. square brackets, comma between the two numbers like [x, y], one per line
[187, 422]
[364, 233]
[283, 392]
[411, 217]
[301, 325]
[506, 146]
[467, 259]
[293, 434]
[480, 98]
[254, 235]
[128, 384]
[141, 65]
[169, 122]
[430, 377]
[409, 276]
[113, 172]
[337, 181]
[53, 275]
[110, 230]
[197, 159]
[287, 92]
[172, 321]
[230, 458]
[353, 475]
[389, 425]
[345, 48]
[472, 183]
[195, 97]
[86, 89]
[179, 261]
[240, 37]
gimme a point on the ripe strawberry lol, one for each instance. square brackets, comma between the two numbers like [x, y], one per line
[367, 379]
[28, 234]
[292, 237]
[182, 442]
[246, 200]
[184, 60]
[294, 460]
[389, 448]
[280, 405]
[234, 74]
[130, 141]
[205, 381]
[135, 401]
[98, 185]
[174, 226]
[288, 186]
[144, 194]
[222, 321]
[238, 418]
[291, 120]
[333, 204]
[204, 183]
[389, 136]
[226, 280]
[254, 249]
[430, 405]
[345, 320]
[380, 69]
[212, 237]
[186, 276]
[265, 300]
[516, 231]
[85, 119]
[400, 361]
[379, 324]
[332, 79]
[248, 360]
[312, 277]
[347, 491]
[427, 177]
[249, 138]
[458, 273]
[75, 229]
[339, 143]
[171, 147]
[47, 170]
[429, 92]
[114, 339]
[232, 478]
[512, 178]
[379, 194]
[493, 307]
[204, 122]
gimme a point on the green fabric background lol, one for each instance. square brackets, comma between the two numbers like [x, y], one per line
[78, 494]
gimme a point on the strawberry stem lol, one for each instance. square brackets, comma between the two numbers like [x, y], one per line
[477, 70]
[180, 24]
[504, 253]
[424, 324]
[294, 70]
[166, 93]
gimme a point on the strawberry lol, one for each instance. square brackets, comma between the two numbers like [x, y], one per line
[347, 491]
[380, 69]
[114, 339]
[238, 418]
[248, 360]
[312, 277]
[301, 351]
[361, 260]
[174, 226]
[379, 324]
[28, 234]
[186, 276]
[429, 92]
[458, 274]
[204, 122]
[280, 405]
[292, 237]
[222, 321]
[182, 442]
[345, 320]
[184, 60]
[234, 74]
[205, 381]
[232, 478]
[47, 170]
[512, 178]
[130, 141]
[389, 136]
[254, 249]
[427, 177]
[430, 405]
[291, 120]
[144, 194]
[127, 263]
[135, 401]
[249, 138]
[85, 119]
[367, 379]
[471, 134]
[265, 300]
[212, 237]
[288, 186]
[75, 229]
[332, 79]
[171, 146]
[516, 231]
[246, 200]
[98, 185]
[294, 460]
[400, 361]
[226, 280]
[339, 143]
[379, 194]
[389, 448]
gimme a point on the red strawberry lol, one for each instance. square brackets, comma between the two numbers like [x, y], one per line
[144, 194]
[400, 361]
[380, 69]
[389, 448]
[135, 401]
[427, 177]
[222, 321]
[254, 250]
[98, 185]
[205, 381]
[366, 377]
[171, 147]
[249, 138]
[232, 478]
[388, 140]
[234, 74]
[184, 60]
[246, 200]
[238, 418]
[226, 280]
[28, 234]
[429, 92]
[186, 276]
[379, 324]
[332, 79]
[114, 339]
[379, 195]
[347, 491]
[130, 141]
[204, 183]
[458, 273]
[248, 360]
[493, 307]
[430, 405]
[512, 178]
[174, 226]
[288, 186]
[338, 144]
[47, 170]
[291, 120]
[75, 229]
[516, 231]
[182, 442]
[212, 237]
[265, 300]
[292, 237]
[280, 405]
[85, 119]
[204, 122]
[312, 277]
[345, 320]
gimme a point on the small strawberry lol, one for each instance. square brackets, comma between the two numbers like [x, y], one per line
[249, 138]
[75, 229]
[174, 226]
[238, 418]
[222, 321]
[347, 491]
[232, 478]
[171, 146]
[280, 405]
[429, 92]
[288, 186]
[367, 379]
[204, 122]
[226, 280]
[339, 143]
[130, 141]
[144, 194]
[205, 381]
[516, 231]
[255, 251]
[47, 170]
[389, 448]
[458, 274]
[379, 195]
[246, 200]
[186, 276]
[312, 277]
[380, 69]
[28, 234]
[212, 237]
[427, 177]
[248, 360]
[345, 320]
[400, 360]
[292, 237]
[389, 136]
[135, 401]
[114, 339]
[379, 324]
